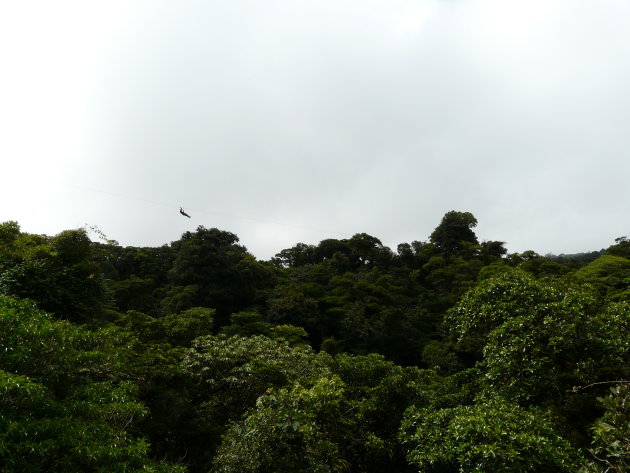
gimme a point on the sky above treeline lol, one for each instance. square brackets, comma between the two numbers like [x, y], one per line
[288, 121]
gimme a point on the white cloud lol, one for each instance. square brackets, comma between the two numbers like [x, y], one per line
[329, 116]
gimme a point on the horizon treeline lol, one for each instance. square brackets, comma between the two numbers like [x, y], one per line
[448, 354]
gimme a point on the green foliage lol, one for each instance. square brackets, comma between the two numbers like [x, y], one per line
[611, 328]
[494, 436]
[540, 354]
[55, 272]
[292, 334]
[60, 353]
[182, 328]
[155, 347]
[535, 339]
[300, 255]
[576, 260]
[225, 276]
[491, 250]
[288, 431]
[242, 368]
[539, 266]
[293, 303]
[370, 311]
[65, 404]
[439, 354]
[454, 231]
[506, 338]
[377, 393]
[135, 293]
[136, 277]
[492, 302]
[247, 323]
[179, 298]
[493, 269]
[178, 329]
[610, 274]
[448, 277]
[368, 250]
[620, 248]
[72, 246]
[231, 373]
[611, 434]
[459, 389]
[84, 432]
[346, 421]
[9, 232]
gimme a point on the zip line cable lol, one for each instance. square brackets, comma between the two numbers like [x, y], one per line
[194, 210]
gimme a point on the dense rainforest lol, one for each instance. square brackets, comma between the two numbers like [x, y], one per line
[445, 355]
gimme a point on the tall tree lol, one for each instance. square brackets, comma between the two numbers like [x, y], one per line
[58, 272]
[454, 232]
[216, 271]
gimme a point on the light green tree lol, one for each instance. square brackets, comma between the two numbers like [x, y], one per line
[65, 403]
[611, 434]
[494, 436]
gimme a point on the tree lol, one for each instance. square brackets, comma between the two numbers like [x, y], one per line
[225, 276]
[230, 374]
[239, 369]
[293, 303]
[9, 232]
[492, 436]
[327, 248]
[610, 274]
[368, 250]
[56, 272]
[182, 328]
[65, 404]
[378, 392]
[134, 293]
[406, 255]
[611, 433]
[288, 431]
[533, 340]
[345, 421]
[247, 323]
[492, 302]
[620, 248]
[300, 255]
[491, 250]
[537, 265]
[538, 356]
[448, 277]
[454, 232]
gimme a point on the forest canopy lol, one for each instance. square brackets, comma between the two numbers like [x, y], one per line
[448, 354]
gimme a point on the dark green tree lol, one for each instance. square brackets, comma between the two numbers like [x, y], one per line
[300, 255]
[454, 232]
[225, 275]
[620, 248]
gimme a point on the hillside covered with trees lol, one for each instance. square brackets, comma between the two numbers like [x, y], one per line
[445, 355]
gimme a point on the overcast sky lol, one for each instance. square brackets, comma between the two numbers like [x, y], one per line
[289, 121]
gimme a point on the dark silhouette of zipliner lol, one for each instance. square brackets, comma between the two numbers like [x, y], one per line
[181, 211]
